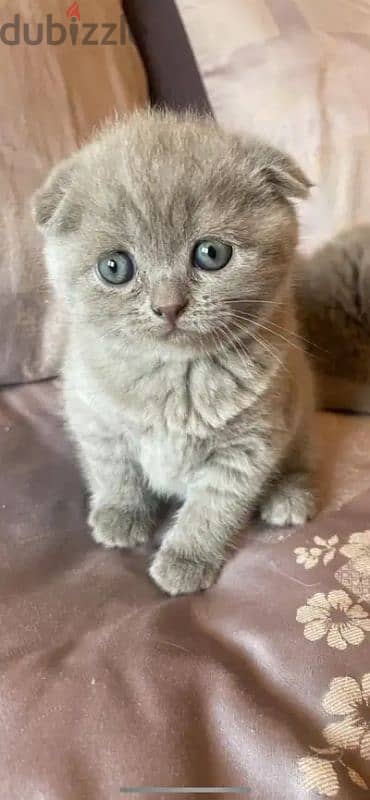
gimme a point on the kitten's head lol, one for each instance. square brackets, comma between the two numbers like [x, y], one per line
[166, 230]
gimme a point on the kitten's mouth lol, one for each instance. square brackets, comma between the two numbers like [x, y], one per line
[174, 334]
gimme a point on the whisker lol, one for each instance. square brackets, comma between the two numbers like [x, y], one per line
[296, 335]
[260, 343]
[258, 324]
[234, 344]
[274, 303]
[258, 339]
[250, 301]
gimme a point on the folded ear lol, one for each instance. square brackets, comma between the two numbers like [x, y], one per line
[281, 172]
[52, 206]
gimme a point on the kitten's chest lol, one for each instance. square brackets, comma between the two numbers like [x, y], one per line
[180, 412]
[171, 442]
[191, 400]
[169, 461]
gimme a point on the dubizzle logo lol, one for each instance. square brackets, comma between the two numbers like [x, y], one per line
[53, 32]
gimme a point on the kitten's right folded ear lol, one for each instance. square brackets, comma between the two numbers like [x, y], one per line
[52, 207]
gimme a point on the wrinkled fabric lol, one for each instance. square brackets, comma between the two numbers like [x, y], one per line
[51, 99]
[107, 683]
[173, 74]
[297, 73]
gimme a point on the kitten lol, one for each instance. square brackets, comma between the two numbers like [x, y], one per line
[171, 245]
[333, 295]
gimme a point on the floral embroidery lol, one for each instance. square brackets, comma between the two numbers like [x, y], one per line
[323, 773]
[355, 573]
[358, 550]
[335, 616]
[311, 557]
[357, 582]
[324, 770]
[343, 621]
[350, 700]
[319, 774]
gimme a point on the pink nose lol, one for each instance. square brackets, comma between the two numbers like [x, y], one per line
[170, 313]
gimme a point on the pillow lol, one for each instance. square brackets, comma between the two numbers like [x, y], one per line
[52, 97]
[296, 72]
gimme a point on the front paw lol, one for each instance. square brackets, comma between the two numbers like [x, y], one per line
[113, 527]
[176, 575]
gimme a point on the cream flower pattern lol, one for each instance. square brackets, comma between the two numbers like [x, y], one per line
[324, 774]
[320, 775]
[324, 551]
[327, 770]
[350, 700]
[336, 617]
[358, 550]
[341, 618]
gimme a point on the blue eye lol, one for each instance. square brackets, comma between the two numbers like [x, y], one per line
[212, 255]
[116, 268]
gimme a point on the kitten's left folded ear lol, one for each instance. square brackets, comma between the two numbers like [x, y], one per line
[52, 208]
[280, 171]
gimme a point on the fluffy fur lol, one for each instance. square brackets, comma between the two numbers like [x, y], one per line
[216, 413]
[333, 296]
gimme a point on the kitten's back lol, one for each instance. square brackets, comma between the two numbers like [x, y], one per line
[333, 291]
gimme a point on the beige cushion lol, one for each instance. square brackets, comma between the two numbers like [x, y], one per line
[296, 72]
[51, 97]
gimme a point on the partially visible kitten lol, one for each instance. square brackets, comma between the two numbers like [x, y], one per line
[333, 293]
[171, 245]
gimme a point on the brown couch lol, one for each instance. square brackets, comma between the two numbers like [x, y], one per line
[263, 682]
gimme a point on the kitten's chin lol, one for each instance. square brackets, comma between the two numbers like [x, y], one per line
[181, 343]
[178, 339]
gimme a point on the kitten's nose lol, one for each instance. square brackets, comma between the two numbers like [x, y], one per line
[170, 313]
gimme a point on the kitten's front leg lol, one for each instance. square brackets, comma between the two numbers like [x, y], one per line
[215, 509]
[123, 511]
[193, 551]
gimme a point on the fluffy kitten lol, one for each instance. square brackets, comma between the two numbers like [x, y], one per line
[171, 243]
[333, 295]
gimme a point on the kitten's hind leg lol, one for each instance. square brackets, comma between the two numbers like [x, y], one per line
[292, 499]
